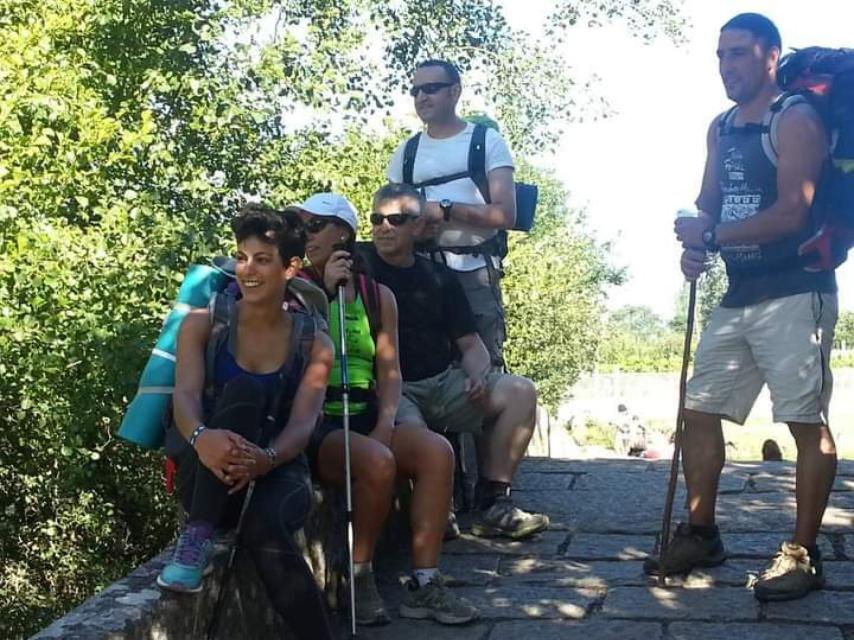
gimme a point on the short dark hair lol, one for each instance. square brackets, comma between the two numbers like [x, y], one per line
[757, 24]
[260, 221]
[396, 190]
[450, 68]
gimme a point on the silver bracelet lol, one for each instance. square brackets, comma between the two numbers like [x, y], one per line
[196, 433]
[271, 453]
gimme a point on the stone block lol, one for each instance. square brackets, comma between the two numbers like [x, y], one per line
[750, 512]
[839, 575]
[531, 601]
[544, 544]
[519, 601]
[597, 575]
[758, 631]
[423, 630]
[590, 546]
[839, 515]
[655, 603]
[830, 607]
[543, 482]
[764, 545]
[584, 630]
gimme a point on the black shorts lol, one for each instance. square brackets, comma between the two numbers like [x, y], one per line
[362, 423]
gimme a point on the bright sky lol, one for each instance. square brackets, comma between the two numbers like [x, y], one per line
[633, 171]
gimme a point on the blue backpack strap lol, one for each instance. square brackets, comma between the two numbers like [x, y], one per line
[477, 161]
[409, 153]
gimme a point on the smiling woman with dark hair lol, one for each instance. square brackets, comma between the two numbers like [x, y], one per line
[248, 392]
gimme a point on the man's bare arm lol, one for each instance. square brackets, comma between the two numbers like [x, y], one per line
[499, 214]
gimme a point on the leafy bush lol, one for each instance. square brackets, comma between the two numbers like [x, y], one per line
[130, 130]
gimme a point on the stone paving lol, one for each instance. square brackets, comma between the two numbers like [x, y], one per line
[583, 578]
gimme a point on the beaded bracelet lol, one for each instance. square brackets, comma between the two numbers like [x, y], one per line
[196, 433]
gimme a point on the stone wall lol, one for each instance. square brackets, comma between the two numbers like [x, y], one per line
[135, 608]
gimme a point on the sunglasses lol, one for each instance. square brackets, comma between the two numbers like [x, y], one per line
[394, 219]
[430, 88]
[316, 225]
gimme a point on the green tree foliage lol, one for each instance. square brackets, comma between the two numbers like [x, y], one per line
[553, 294]
[130, 130]
[636, 339]
[843, 337]
[710, 289]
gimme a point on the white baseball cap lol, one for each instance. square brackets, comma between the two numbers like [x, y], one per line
[329, 205]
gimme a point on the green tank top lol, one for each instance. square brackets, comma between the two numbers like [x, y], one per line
[361, 351]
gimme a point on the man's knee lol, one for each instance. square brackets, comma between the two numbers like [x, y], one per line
[700, 419]
[514, 390]
[813, 436]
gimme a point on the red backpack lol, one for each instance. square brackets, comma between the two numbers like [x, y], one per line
[825, 77]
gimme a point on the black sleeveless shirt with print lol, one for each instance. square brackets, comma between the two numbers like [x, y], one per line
[748, 182]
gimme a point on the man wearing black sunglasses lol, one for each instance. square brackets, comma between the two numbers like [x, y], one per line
[469, 396]
[438, 160]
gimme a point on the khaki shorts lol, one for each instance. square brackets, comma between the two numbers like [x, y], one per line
[441, 403]
[484, 295]
[784, 343]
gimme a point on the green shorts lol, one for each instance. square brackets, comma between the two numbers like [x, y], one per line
[441, 403]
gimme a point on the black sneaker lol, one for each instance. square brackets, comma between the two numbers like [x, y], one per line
[789, 575]
[686, 551]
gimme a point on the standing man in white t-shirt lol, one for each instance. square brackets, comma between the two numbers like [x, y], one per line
[468, 225]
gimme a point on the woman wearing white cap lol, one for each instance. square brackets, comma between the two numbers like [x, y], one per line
[380, 450]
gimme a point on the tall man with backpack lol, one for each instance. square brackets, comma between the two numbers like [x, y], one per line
[775, 322]
[470, 203]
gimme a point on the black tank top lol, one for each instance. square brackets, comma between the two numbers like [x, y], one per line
[748, 181]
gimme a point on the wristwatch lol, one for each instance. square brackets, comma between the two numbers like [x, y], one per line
[445, 205]
[710, 240]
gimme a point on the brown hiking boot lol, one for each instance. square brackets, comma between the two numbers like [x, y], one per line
[790, 574]
[686, 551]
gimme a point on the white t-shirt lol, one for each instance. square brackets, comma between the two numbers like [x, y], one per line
[438, 157]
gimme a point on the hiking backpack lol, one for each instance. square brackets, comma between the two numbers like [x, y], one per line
[526, 194]
[824, 78]
[212, 287]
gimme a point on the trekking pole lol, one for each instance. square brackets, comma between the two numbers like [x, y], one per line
[226, 574]
[664, 536]
[345, 399]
